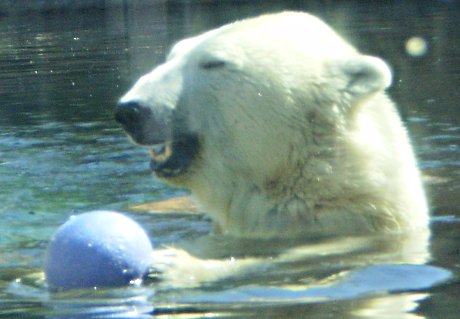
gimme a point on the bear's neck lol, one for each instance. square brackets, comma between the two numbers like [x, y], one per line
[295, 204]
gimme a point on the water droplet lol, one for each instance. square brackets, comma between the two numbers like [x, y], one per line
[136, 282]
[416, 46]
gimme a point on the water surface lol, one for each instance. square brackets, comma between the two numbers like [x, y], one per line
[61, 153]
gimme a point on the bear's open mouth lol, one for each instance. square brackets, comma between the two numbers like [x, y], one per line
[173, 158]
[161, 152]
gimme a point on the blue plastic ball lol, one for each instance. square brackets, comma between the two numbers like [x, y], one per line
[97, 249]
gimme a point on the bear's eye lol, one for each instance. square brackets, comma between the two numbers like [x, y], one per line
[216, 64]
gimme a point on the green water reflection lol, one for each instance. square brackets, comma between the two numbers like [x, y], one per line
[61, 152]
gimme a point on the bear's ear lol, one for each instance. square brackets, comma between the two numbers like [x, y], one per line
[363, 75]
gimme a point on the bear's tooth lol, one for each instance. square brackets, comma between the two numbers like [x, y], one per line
[161, 152]
[158, 148]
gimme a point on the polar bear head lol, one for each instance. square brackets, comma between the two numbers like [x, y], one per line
[258, 119]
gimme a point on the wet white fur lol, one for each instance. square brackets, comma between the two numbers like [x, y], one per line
[299, 138]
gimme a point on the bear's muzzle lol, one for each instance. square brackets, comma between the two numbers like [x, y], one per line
[171, 154]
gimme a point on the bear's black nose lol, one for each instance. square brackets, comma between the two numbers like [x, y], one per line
[130, 115]
[145, 125]
[135, 120]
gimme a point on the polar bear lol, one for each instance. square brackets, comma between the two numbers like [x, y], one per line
[280, 128]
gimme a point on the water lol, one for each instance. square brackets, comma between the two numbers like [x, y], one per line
[61, 153]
